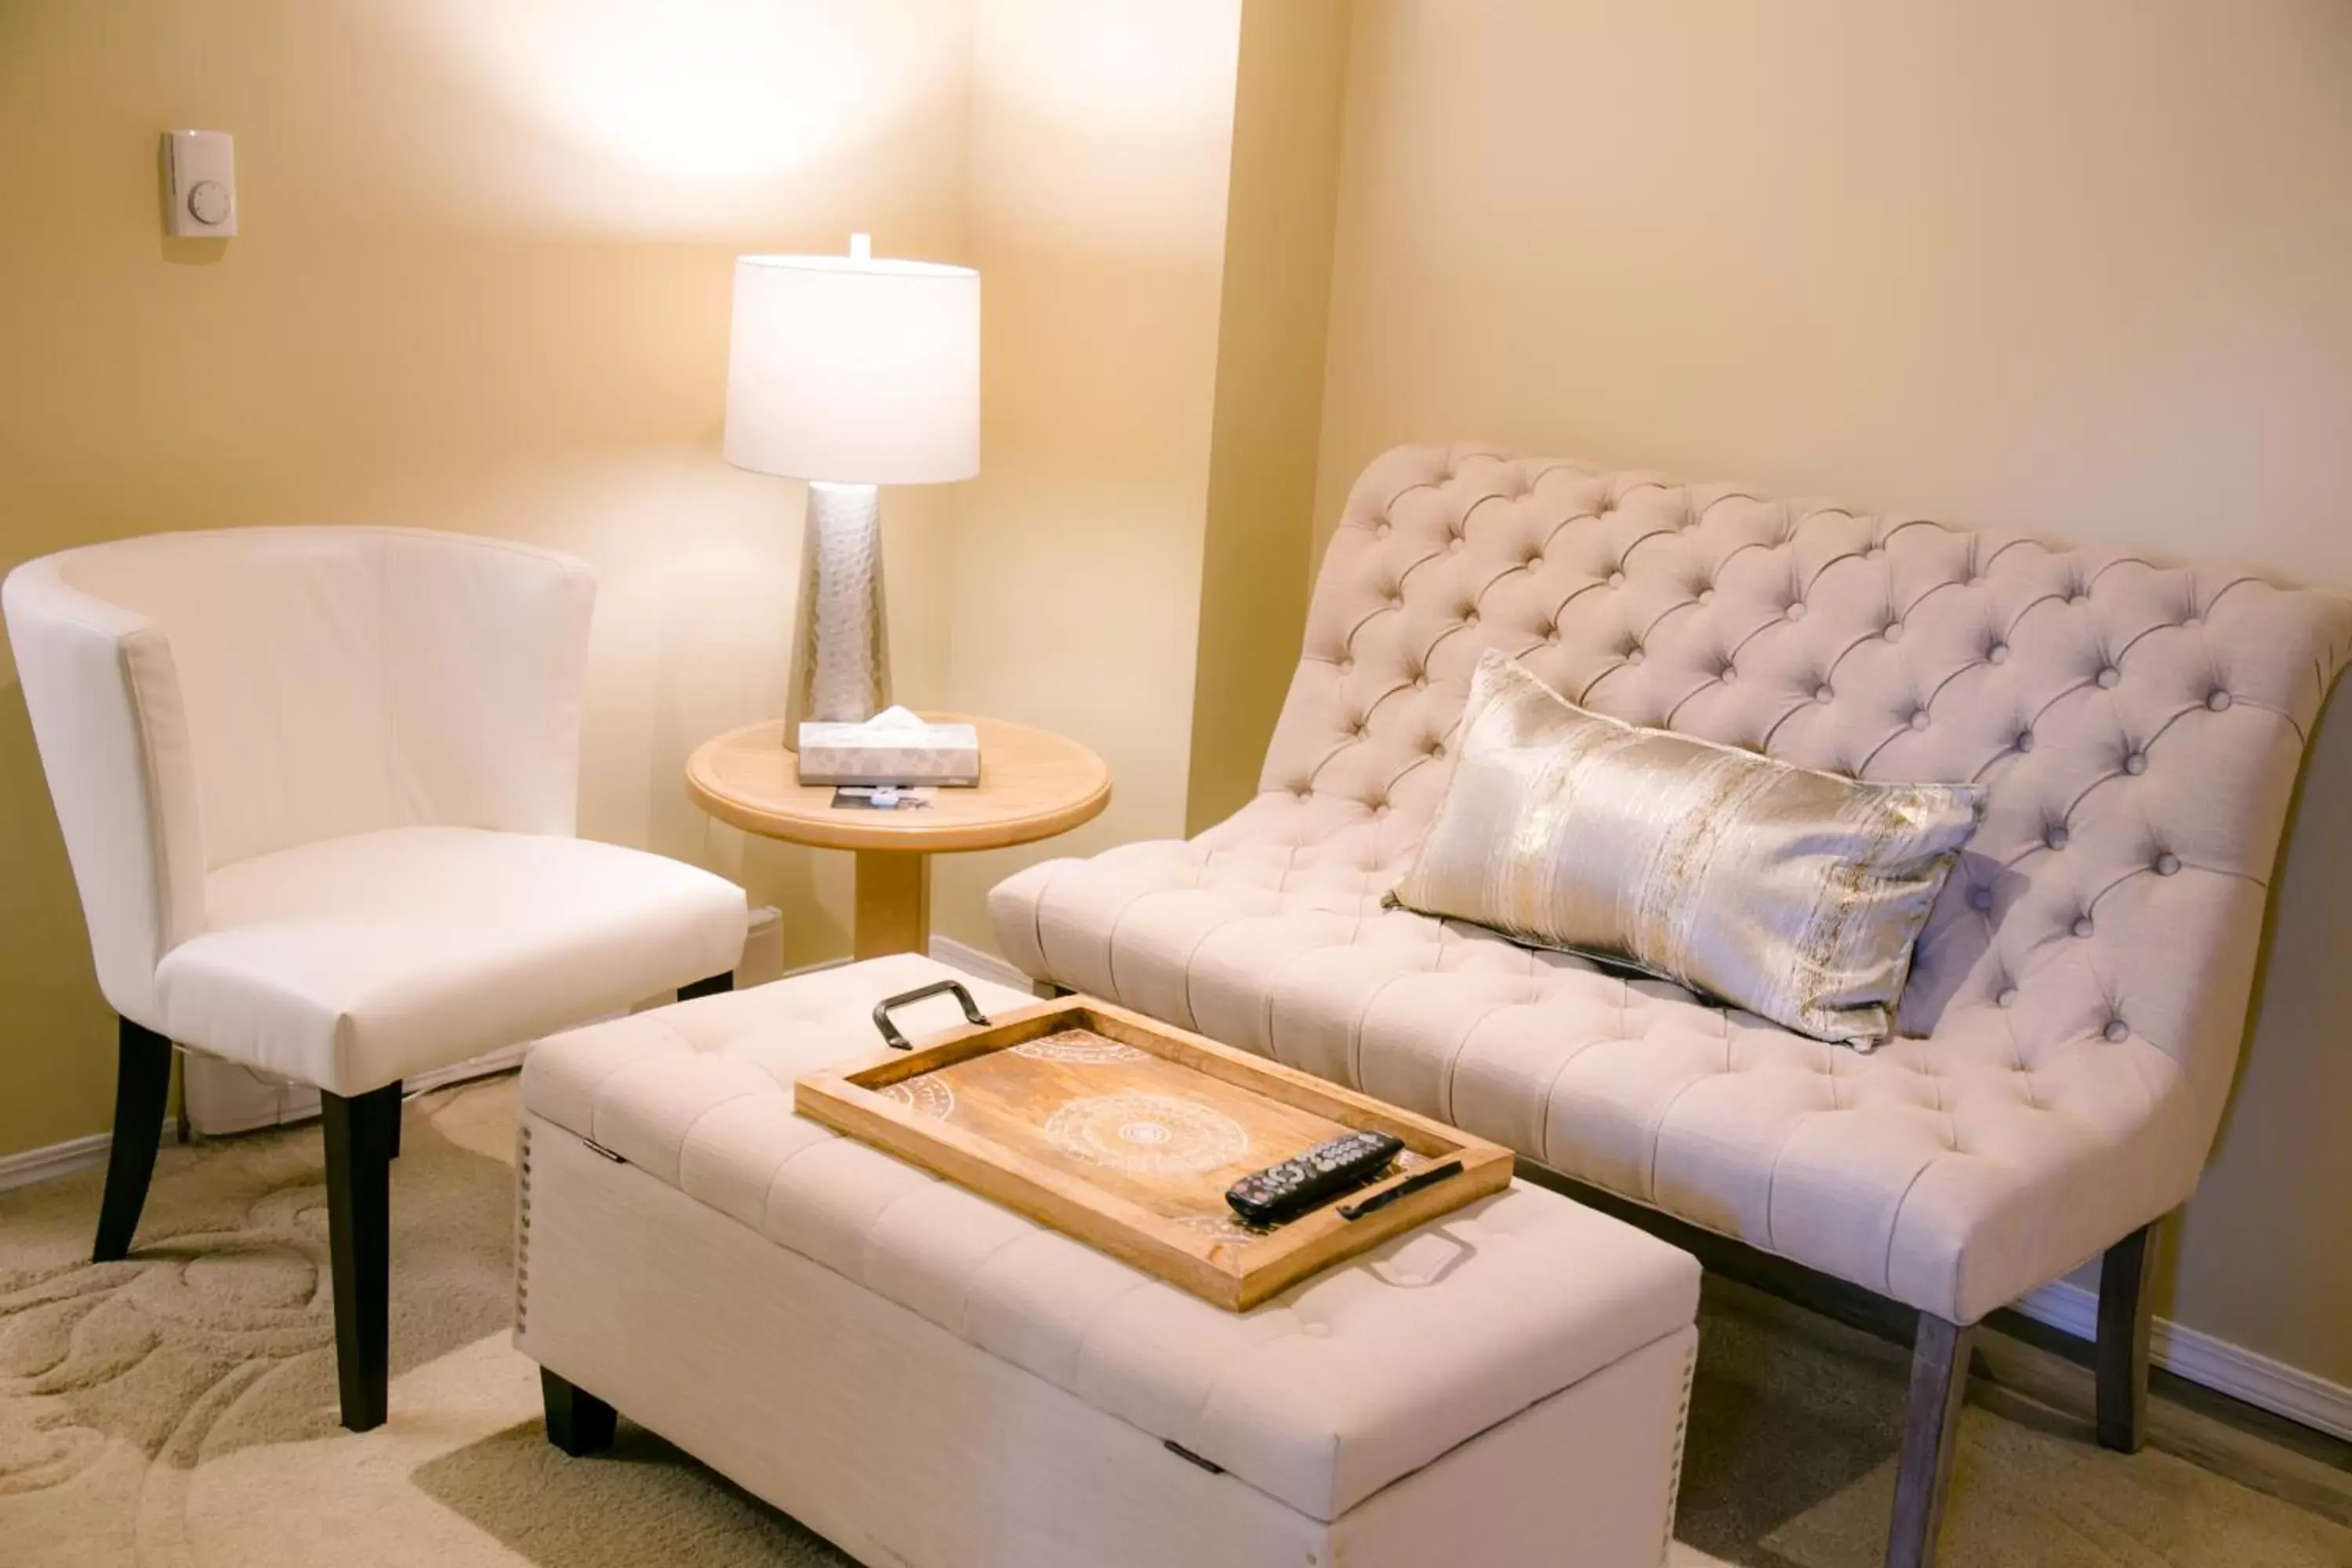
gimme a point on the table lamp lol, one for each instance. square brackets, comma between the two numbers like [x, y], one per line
[850, 372]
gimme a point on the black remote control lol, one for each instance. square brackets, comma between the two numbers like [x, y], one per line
[1287, 1190]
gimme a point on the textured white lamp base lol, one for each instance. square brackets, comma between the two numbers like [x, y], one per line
[841, 654]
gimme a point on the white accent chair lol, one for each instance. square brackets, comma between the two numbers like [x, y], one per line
[317, 786]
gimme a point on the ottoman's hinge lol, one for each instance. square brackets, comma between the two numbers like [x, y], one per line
[596, 1148]
[1182, 1452]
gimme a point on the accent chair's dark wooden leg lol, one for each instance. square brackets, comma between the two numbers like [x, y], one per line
[359, 1132]
[2125, 1309]
[142, 1082]
[710, 987]
[1931, 1426]
[577, 1420]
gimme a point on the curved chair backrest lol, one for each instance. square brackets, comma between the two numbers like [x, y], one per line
[203, 697]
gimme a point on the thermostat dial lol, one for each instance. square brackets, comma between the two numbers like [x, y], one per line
[208, 201]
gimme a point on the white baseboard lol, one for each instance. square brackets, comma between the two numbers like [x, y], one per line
[56, 1160]
[2207, 1362]
[497, 1061]
[979, 964]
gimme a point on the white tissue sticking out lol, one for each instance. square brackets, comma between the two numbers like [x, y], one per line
[891, 721]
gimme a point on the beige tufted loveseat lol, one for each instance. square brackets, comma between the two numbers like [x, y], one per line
[2079, 997]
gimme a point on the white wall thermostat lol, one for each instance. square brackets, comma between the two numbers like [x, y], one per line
[200, 181]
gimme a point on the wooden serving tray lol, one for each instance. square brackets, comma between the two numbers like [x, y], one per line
[1125, 1133]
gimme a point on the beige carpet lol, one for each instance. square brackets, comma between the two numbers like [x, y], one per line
[177, 1410]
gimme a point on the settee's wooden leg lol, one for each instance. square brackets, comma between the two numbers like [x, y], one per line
[2124, 1312]
[142, 1082]
[577, 1420]
[1931, 1426]
[713, 986]
[359, 1136]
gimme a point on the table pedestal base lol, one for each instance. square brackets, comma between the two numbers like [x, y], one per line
[894, 903]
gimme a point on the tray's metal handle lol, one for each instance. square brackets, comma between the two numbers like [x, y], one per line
[898, 1042]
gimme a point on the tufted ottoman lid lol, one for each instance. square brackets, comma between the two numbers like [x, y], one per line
[1319, 1398]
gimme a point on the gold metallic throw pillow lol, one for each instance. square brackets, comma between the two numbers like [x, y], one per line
[1794, 894]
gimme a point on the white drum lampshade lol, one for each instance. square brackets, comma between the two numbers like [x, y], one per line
[850, 372]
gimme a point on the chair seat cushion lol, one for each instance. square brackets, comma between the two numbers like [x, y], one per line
[354, 961]
[1924, 1171]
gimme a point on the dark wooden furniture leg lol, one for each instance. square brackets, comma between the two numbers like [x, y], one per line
[142, 1082]
[399, 1114]
[1931, 1426]
[2124, 1312]
[710, 987]
[360, 1129]
[577, 1420]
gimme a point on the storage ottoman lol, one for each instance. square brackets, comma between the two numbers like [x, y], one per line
[930, 1380]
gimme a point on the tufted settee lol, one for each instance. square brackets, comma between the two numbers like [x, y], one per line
[2079, 996]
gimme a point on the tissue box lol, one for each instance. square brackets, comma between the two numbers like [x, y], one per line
[876, 753]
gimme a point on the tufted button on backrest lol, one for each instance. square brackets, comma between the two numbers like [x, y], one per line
[1883, 647]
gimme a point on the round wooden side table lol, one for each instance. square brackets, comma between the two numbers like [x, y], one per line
[1032, 785]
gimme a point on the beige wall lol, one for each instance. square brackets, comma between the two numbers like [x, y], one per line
[2078, 268]
[1289, 99]
[482, 284]
[1101, 136]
